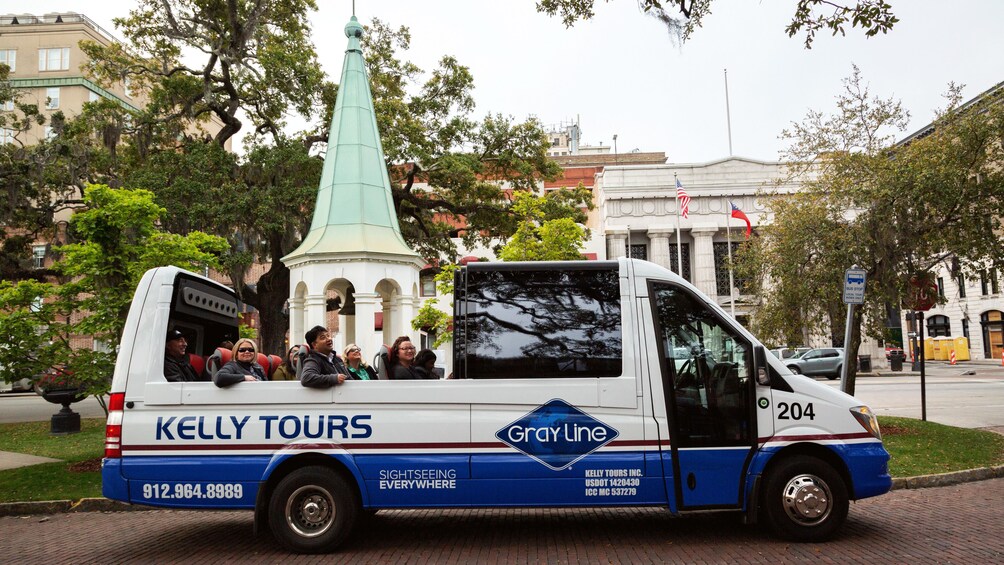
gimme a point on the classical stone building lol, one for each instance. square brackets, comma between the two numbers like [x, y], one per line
[638, 204]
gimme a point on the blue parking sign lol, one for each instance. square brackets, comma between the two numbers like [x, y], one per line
[854, 286]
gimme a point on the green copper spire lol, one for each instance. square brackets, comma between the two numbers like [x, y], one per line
[354, 211]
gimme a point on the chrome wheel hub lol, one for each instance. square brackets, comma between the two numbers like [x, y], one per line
[807, 499]
[310, 511]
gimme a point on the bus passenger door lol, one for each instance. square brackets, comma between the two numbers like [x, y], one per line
[707, 375]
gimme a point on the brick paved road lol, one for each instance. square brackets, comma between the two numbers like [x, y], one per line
[957, 524]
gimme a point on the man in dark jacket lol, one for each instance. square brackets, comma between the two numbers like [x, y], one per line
[176, 365]
[322, 368]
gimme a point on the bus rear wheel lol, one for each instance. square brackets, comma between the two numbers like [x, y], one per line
[312, 510]
[805, 500]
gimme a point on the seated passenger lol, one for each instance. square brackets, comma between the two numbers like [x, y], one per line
[322, 368]
[402, 360]
[177, 367]
[358, 369]
[286, 371]
[425, 364]
[243, 367]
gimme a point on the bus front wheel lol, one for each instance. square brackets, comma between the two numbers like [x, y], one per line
[312, 510]
[805, 500]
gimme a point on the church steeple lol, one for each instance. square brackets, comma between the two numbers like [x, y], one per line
[354, 214]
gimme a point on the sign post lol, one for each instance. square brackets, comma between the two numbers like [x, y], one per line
[854, 294]
[922, 292]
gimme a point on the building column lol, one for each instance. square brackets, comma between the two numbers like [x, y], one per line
[616, 244]
[366, 308]
[314, 312]
[659, 239]
[296, 329]
[346, 330]
[405, 308]
[704, 260]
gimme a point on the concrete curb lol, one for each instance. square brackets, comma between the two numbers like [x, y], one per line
[946, 479]
[106, 505]
[65, 506]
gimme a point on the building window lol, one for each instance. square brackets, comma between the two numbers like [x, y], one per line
[722, 268]
[941, 288]
[638, 251]
[92, 96]
[938, 326]
[38, 255]
[685, 251]
[7, 106]
[962, 286]
[992, 323]
[9, 57]
[50, 133]
[965, 328]
[52, 98]
[6, 136]
[127, 86]
[55, 59]
[994, 287]
[428, 283]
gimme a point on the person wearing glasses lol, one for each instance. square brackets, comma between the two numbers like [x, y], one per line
[402, 360]
[358, 369]
[243, 366]
[322, 368]
[287, 371]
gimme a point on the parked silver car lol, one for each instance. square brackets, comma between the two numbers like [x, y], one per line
[826, 362]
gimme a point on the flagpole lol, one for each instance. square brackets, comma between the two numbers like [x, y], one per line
[728, 245]
[679, 254]
[728, 113]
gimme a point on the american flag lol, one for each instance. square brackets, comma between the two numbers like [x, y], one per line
[683, 198]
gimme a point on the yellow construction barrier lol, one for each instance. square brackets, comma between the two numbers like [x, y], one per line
[943, 347]
[961, 349]
[929, 348]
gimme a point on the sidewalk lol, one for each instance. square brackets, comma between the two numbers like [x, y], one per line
[11, 460]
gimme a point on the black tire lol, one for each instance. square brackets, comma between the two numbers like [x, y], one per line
[312, 510]
[794, 369]
[805, 500]
[839, 372]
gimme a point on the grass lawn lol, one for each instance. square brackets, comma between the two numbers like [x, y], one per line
[926, 448]
[917, 448]
[75, 477]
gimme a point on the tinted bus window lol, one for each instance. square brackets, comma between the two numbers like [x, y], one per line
[541, 324]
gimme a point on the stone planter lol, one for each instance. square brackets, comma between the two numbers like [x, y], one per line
[66, 421]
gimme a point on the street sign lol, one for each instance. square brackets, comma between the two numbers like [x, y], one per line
[854, 286]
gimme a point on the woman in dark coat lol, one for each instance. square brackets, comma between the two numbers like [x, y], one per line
[243, 367]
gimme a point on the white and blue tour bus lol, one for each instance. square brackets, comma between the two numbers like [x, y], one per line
[588, 383]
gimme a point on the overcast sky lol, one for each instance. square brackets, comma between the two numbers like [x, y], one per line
[621, 73]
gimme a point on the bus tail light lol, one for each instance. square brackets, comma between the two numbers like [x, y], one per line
[113, 428]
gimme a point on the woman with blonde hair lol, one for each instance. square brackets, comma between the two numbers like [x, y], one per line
[358, 369]
[243, 366]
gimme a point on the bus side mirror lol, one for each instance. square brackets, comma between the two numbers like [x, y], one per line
[760, 363]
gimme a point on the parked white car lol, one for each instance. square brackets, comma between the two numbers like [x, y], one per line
[20, 385]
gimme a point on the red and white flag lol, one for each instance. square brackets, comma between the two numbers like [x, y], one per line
[683, 198]
[737, 213]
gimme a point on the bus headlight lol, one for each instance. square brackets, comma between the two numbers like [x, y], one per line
[868, 420]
